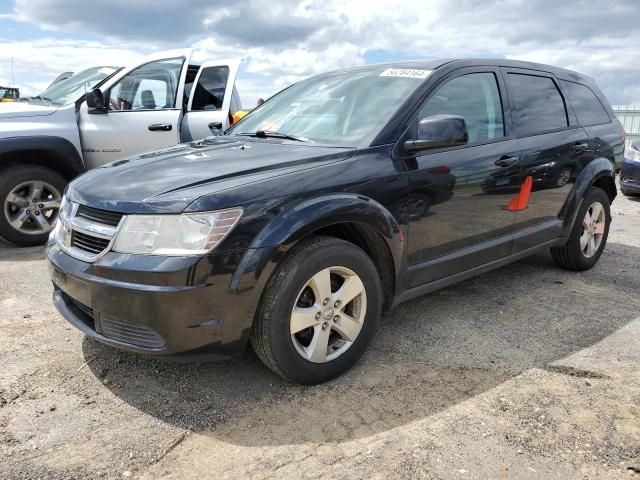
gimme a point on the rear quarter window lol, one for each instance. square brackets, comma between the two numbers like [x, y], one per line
[588, 108]
[537, 105]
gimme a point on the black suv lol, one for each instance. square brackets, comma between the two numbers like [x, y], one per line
[339, 198]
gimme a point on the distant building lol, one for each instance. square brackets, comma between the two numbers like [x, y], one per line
[629, 116]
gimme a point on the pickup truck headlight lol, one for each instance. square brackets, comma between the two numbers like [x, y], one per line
[186, 234]
[632, 154]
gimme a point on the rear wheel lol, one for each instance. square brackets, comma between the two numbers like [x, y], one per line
[319, 312]
[589, 234]
[30, 197]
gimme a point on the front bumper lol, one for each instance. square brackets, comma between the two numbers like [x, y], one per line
[153, 304]
[630, 176]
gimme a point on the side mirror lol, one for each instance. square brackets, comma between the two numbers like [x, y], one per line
[95, 101]
[438, 131]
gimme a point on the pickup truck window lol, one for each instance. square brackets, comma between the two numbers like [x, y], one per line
[210, 88]
[152, 86]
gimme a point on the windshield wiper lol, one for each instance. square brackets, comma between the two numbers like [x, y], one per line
[273, 134]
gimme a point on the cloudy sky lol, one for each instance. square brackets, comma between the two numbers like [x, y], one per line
[282, 42]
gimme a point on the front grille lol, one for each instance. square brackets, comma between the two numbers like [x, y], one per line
[131, 333]
[99, 216]
[88, 243]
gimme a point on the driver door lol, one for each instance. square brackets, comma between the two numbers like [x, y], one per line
[143, 111]
[210, 100]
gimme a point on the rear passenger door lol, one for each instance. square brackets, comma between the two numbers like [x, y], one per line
[210, 100]
[554, 149]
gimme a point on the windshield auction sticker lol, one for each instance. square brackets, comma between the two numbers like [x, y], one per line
[405, 73]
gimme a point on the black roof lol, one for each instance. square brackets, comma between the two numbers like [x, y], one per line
[476, 62]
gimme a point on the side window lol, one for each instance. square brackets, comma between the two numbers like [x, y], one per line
[586, 105]
[152, 86]
[210, 89]
[475, 97]
[536, 104]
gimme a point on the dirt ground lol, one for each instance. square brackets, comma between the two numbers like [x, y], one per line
[526, 372]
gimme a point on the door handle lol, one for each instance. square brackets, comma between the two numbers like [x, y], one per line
[161, 127]
[506, 161]
[215, 126]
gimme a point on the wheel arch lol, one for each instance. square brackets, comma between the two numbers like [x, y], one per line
[357, 219]
[600, 173]
[55, 153]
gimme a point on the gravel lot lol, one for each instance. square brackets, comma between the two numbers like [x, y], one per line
[526, 372]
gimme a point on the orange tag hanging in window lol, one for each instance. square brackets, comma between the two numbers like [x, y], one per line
[520, 201]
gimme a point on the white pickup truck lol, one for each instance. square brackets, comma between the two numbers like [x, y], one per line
[72, 126]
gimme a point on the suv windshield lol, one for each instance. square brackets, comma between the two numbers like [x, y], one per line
[345, 108]
[71, 89]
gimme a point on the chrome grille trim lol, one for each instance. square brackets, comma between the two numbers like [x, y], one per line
[82, 238]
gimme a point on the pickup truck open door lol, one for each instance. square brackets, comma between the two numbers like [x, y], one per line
[210, 100]
[143, 110]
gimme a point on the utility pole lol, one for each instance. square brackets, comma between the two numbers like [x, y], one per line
[13, 80]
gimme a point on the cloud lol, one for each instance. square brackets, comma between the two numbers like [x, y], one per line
[284, 42]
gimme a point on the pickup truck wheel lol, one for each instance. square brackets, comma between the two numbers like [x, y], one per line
[30, 197]
[589, 234]
[319, 312]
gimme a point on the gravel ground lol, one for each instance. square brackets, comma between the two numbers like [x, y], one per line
[526, 372]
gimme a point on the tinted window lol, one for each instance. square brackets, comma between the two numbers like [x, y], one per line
[536, 104]
[210, 88]
[586, 105]
[476, 98]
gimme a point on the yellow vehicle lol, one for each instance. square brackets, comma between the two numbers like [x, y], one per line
[9, 94]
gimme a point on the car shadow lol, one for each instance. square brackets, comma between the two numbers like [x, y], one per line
[430, 353]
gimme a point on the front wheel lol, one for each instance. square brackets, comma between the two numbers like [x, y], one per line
[30, 197]
[589, 234]
[319, 312]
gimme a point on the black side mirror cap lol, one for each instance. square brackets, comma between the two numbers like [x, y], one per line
[439, 131]
[95, 101]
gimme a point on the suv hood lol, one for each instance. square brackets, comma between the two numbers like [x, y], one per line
[24, 109]
[167, 181]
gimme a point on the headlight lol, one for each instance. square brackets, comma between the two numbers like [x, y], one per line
[60, 228]
[186, 234]
[632, 154]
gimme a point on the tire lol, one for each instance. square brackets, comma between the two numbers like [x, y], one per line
[573, 255]
[19, 181]
[286, 353]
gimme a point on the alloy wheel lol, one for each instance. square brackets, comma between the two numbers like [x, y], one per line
[593, 227]
[32, 207]
[328, 314]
